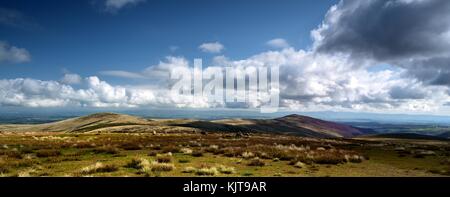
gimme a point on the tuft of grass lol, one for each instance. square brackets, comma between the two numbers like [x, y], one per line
[256, 162]
[189, 169]
[207, 171]
[186, 150]
[247, 155]
[106, 150]
[213, 149]
[225, 169]
[145, 167]
[331, 156]
[299, 164]
[98, 168]
[232, 151]
[108, 168]
[163, 158]
[137, 163]
[170, 149]
[354, 158]
[161, 167]
[26, 173]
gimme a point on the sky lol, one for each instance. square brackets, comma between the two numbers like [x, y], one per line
[87, 37]
[388, 56]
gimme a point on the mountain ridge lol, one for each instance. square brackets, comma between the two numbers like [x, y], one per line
[112, 122]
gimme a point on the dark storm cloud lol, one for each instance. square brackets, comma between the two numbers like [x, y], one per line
[413, 34]
[406, 93]
[388, 29]
[434, 70]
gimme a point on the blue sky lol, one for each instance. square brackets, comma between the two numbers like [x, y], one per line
[336, 55]
[81, 37]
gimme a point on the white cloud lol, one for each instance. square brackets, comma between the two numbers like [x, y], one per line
[32, 93]
[278, 43]
[37, 93]
[70, 78]
[115, 5]
[211, 47]
[164, 67]
[308, 82]
[122, 74]
[13, 54]
[155, 72]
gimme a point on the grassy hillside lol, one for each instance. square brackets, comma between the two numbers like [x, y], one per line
[110, 144]
[215, 154]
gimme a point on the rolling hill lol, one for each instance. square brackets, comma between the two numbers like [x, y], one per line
[111, 122]
[296, 125]
[79, 124]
